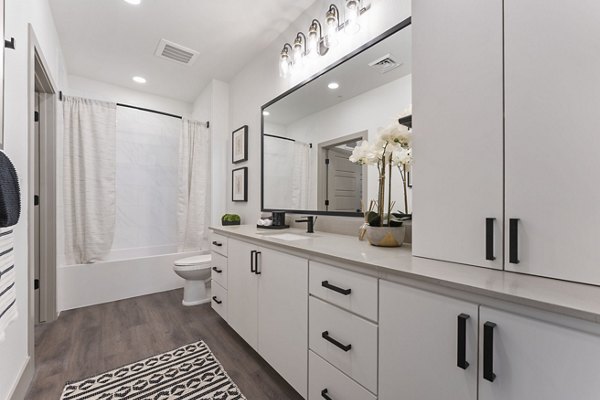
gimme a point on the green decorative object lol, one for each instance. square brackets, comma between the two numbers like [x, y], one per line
[230, 219]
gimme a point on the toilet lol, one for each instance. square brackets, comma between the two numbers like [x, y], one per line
[196, 272]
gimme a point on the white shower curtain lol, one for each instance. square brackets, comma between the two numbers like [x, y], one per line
[300, 190]
[193, 211]
[89, 178]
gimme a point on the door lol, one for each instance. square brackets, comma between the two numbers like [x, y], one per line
[283, 315]
[242, 291]
[537, 360]
[421, 345]
[344, 182]
[552, 141]
[458, 127]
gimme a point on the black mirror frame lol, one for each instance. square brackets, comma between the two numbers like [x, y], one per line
[348, 57]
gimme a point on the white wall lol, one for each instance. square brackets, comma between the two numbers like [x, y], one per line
[19, 14]
[260, 82]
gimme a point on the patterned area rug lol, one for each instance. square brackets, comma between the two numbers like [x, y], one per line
[190, 372]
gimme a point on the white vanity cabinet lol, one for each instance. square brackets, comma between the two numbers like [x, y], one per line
[267, 295]
[427, 345]
[458, 126]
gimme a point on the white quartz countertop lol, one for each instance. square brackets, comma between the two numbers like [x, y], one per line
[572, 299]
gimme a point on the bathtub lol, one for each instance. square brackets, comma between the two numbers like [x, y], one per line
[124, 274]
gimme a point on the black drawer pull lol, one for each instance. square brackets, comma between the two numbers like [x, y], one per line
[217, 243]
[489, 239]
[461, 344]
[216, 300]
[513, 257]
[345, 347]
[329, 286]
[488, 351]
[217, 270]
[256, 270]
[252, 259]
[325, 395]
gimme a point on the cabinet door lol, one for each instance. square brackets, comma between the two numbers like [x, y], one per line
[538, 360]
[242, 292]
[420, 344]
[458, 126]
[283, 315]
[552, 140]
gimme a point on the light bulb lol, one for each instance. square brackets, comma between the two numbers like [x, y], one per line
[284, 67]
[313, 44]
[332, 30]
[352, 11]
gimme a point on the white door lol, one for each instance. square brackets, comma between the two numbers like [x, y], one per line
[344, 182]
[242, 293]
[536, 360]
[421, 345]
[458, 127]
[283, 315]
[552, 140]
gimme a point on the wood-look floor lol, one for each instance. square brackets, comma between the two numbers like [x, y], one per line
[91, 340]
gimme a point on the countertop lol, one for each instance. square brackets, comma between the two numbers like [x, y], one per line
[572, 299]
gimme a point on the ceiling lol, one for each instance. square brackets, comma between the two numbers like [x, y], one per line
[112, 41]
[355, 77]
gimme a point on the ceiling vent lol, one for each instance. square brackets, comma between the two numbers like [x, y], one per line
[385, 64]
[177, 53]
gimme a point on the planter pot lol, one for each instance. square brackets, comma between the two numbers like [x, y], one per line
[229, 223]
[385, 236]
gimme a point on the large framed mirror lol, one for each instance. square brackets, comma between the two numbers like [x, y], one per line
[309, 132]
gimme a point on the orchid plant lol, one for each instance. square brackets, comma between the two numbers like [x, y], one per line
[392, 148]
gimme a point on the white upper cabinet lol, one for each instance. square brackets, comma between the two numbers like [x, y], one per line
[553, 138]
[458, 126]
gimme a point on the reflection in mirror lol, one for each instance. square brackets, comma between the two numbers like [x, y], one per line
[309, 134]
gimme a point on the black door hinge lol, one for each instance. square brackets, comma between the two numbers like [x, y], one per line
[36, 116]
[36, 200]
[327, 161]
[327, 202]
[36, 284]
[10, 44]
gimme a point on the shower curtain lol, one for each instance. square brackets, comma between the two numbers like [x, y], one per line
[89, 178]
[193, 213]
[300, 190]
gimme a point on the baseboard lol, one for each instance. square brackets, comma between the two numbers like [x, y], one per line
[20, 388]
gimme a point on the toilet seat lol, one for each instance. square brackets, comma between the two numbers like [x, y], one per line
[196, 261]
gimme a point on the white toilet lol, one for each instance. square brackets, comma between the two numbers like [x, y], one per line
[196, 272]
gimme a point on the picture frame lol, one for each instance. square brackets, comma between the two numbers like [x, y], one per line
[239, 184]
[239, 145]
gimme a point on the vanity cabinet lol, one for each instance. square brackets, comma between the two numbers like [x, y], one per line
[428, 345]
[267, 292]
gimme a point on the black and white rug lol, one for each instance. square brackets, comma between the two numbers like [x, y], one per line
[190, 372]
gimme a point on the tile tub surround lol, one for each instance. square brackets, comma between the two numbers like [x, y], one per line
[397, 264]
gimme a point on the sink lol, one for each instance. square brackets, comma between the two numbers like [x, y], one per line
[289, 237]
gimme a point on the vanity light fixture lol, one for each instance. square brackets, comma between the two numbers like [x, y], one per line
[333, 86]
[139, 79]
[332, 18]
[284, 60]
[353, 11]
[315, 39]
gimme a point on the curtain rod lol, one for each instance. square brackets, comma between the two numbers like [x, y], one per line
[285, 138]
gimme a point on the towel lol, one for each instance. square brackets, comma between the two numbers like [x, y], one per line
[8, 306]
[10, 197]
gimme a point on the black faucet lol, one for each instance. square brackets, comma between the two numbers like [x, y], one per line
[311, 223]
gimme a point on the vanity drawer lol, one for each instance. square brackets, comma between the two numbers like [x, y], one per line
[219, 299]
[218, 271]
[325, 377]
[218, 244]
[350, 290]
[347, 341]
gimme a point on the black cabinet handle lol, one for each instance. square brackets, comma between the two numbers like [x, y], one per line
[217, 270]
[513, 257]
[216, 300]
[252, 266]
[461, 343]
[325, 395]
[489, 239]
[329, 286]
[488, 351]
[345, 347]
[256, 270]
[217, 243]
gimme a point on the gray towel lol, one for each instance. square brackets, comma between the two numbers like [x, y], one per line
[10, 196]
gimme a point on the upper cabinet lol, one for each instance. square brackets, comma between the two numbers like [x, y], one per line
[458, 112]
[552, 61]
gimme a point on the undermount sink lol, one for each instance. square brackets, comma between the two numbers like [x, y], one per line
[289, 237]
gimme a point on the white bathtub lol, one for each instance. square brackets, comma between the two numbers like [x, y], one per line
[124, 274]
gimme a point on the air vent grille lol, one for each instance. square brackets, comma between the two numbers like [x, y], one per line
[176, 53]
[385, 64]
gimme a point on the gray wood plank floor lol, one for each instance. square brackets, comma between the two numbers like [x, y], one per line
[91, 340]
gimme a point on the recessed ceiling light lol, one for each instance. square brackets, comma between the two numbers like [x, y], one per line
[266, 113]
[333, 85]
[139, 79]
[134, 2]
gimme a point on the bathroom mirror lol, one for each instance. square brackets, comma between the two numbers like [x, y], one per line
[310, 131]
[2, 77]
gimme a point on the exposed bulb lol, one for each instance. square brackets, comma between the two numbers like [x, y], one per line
[352, 11]
[284, 68]
[332, 33]
[313, 44]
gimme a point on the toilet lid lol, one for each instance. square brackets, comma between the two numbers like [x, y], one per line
[196, 260]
